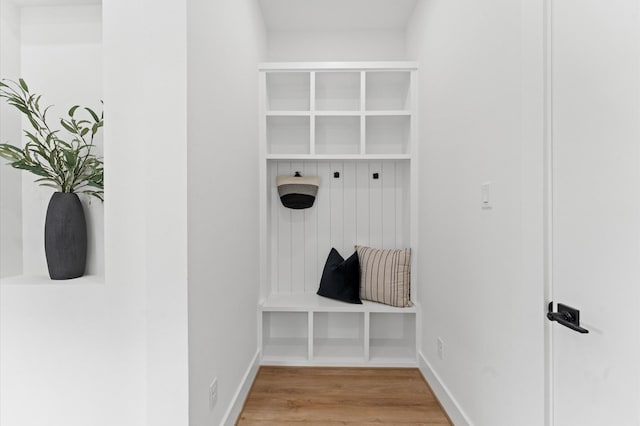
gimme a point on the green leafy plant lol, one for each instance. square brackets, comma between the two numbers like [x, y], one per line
[64, 163]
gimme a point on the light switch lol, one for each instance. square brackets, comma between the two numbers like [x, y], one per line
[485, 194]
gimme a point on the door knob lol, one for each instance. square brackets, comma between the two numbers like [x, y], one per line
[567, 316]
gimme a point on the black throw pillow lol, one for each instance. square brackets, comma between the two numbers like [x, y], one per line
[341, 278]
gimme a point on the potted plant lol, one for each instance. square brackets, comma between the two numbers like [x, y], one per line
[61, 159]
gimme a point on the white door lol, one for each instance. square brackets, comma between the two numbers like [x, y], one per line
[595, 238]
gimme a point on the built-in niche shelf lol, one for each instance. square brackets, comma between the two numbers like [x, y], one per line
[353, 126]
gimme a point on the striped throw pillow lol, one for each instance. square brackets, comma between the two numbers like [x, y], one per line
[385, 275]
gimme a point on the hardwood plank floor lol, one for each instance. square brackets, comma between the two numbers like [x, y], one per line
[340, 396]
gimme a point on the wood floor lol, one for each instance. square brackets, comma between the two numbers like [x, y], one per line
[340, 396]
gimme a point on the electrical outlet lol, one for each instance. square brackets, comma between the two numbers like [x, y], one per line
[440, 346]
[213, 393]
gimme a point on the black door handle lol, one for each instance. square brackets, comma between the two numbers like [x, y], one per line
[567, 316]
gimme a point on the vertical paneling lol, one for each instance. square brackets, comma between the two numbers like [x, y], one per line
[362, 203]
[402, 206]
[349, 207]
[336, 225]
[311, 255]
[324, 215]
[388, 178]
[352, 209]
[274, 235]
[297, 241]
[284, 238]
[375, 204]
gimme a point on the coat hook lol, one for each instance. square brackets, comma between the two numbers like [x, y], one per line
[376, 175]
[336, 174]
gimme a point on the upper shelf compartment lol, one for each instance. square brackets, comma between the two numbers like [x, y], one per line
[330, 110]
[337, 91]
[388, 91]
[288, 91]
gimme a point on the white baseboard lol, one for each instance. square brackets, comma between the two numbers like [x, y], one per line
[450, 405]
[235, 408]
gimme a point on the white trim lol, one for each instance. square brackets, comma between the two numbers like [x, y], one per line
[448, 402]
[338, 157]
[351, 66]
[235, 408]
[548, 206]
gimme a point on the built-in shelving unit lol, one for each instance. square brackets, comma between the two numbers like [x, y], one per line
[353, 125]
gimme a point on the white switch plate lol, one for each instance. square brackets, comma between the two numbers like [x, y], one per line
[485, 196]
[213, 393]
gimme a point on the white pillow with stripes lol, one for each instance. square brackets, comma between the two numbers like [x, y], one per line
[385, 275]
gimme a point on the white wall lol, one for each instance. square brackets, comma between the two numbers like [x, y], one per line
[226, 40]
[480, 270]
[339, 45]
[115, 353]
[10, 179]
[73, 353]
[61, 58]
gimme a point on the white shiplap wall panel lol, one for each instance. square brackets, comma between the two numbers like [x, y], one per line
[362, 203]
[323, 206]
[283, 254]
[297, 240]
[336, 224]
[351, 209]
[388, 183]
[311, 254]
[375, 205]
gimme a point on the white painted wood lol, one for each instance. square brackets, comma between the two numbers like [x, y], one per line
[287, 91]
[388, 134]
[337, 91]
[312, 268]
[389, 207]
[283, 256]
[337, 134]
[388, 90]
[308, 66]
[338, 335]
[314, 303]
[343, 135]
[288, 134]
[375, 204]
[338, 157]
[351, 209]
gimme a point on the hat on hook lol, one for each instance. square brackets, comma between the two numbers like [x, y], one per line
[297, 192]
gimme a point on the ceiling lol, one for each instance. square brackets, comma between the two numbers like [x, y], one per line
[336, 15]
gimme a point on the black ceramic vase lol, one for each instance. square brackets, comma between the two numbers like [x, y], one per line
[65, 237]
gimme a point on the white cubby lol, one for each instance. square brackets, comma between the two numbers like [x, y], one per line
[392, 337]
[285, 335]
[288, 135]
[288, 91]
[337, 135]
[337, 91]
[388, 134]
[338, 336]
[388, 91]
[353, 126]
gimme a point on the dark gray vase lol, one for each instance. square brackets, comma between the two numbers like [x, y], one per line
[65, 237]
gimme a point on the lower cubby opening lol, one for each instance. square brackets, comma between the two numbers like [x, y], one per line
[338, 336]
[392, 337]
[285, 335]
